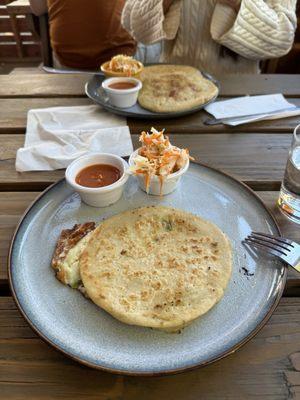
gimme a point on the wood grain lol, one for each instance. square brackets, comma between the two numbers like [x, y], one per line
[240, 85]
[195, 124]
[19, 7]
[257, 159]
[48, 85]
[13, 112]
[266, 368]
[13, 205]
[13, 118]
[38, 85]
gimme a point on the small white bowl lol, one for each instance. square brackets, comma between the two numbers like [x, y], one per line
[122, 98]
[102, 196]
[169, 184]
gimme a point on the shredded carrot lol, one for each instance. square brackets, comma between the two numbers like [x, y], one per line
[147, 182]
[126, 64]
[161, 181]
[158, 157]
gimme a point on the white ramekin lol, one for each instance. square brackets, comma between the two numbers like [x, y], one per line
[169, 184]
[122, 98]
[102, 196]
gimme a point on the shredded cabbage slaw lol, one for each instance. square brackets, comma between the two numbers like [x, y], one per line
[125, 64]
[158, 157]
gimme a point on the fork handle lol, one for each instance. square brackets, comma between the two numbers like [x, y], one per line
[50, 70]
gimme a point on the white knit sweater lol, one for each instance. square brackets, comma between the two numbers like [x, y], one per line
[194, 30]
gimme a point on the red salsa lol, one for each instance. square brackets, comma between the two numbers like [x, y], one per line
[98, 175]
[122, 85]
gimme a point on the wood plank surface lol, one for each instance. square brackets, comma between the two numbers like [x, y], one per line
[13, 204]
[42, 85]
[195, 123]
[13, 112]
[9, 36]
[240, 85]
[6, 26]
[19, 7]
[13, 118]
[30, 51]
[266, 368]
[51, 85]
[258, 159]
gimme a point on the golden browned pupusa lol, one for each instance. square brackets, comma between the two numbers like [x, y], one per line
[68, 249]
[156, 266]
[170, 88]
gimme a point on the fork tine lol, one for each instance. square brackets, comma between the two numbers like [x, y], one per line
[273, 246]
[279, 239]
[267, 247]
[262, 247]
[271, 240]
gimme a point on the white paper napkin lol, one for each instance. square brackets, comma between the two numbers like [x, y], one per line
[239, 110]
[56, 136]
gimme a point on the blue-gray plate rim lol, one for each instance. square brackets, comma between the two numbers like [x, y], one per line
[129, 347]
[95, 92]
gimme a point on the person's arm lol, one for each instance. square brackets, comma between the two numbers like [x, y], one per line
[257, 29]
[149, 21]
[38, 7]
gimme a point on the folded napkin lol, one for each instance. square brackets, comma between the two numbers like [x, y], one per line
[56, 136]
[239, 110]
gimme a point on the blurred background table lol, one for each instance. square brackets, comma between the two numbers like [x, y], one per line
[268, 367]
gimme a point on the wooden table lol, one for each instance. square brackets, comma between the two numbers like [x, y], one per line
[268, 367]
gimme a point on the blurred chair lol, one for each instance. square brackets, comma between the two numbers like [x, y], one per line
[269, 66]
[38, 26]
[19, 40]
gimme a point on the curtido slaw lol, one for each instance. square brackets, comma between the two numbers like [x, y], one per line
[126, 64]
[158, 157]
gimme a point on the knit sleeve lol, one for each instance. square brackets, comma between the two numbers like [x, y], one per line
[260, 30]
[146, 22]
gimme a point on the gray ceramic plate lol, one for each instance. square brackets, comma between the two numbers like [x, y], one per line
[94, 91]
[77, 327]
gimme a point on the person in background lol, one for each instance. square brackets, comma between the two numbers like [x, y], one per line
[218, 36]
[83, 34]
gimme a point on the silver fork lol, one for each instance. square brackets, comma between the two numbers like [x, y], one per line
[287, 250]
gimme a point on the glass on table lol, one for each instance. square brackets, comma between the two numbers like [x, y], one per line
[289, 197]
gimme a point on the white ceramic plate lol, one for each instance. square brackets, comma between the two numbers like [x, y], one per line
[77, 327]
